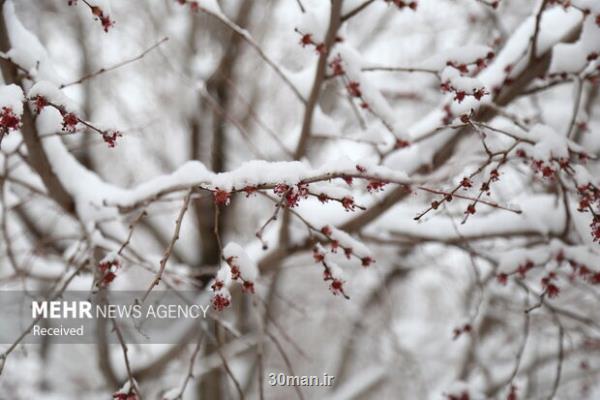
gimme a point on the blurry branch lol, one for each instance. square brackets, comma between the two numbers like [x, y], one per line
[190, 373]
[286, 360]
[347, 348]
[230, 372]
[534, 38]
[169, 249]
[132, 226]
[532, 71]
[301, 6]
[114, 67]
[252, 114]
[313, 98]
[37, 157]
[356, 10]
[132, 383]
[219, 109]
[4, 224]
[244, 34]
[572, 127]
[57, 294]
[400, 69]
[559, 361]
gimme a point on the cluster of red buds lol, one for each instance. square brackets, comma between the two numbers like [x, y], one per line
[9, 121]
[39, 102]
[98, 13]
[595, 226]
[550, 288]
[336, 285]
[549, 280]
[458, 331]
[401, 4]
[479, 64]
[110, 137]
[108, 269]
[194, 6]
[337, 66]
[334, 244]
[376, 185]
[124, 396]
[71, 121]
[589, 195]
[291, 194]
[221, 197]
[306, 39]
[521, 271]
[221, 299]
[104, 19]
[460, 95]
[354, 90]
[512, 393]
[236, 275]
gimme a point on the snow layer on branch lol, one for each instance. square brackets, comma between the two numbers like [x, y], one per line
[315, 20]
[573, 57]
[549, 144]
[582, 176]
[464, 83]
[11, 96]
[53, 94]
[334, 269]
[555, 25]
[251, 173]
[347, 241]
[248, 269]
[26, 50]
[546, 255]
[540, 214]
[86, 188]
[353, 64]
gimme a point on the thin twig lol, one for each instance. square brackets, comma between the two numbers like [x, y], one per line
[169, 250]
[190, 373]
[536, 32]
[248, 38]
[355, 11]
[116, 66]
[132, 383]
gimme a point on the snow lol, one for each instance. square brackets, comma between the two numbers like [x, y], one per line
[11, 96]
[582, 176]
[549, 144]
[409, 321]
[212, 7]
[315, 20]
[248, 269]
[347, 241]
[53, 94]
[573, 57]
[539, 214]
[353, 64]
[251, 173]
[26, 50]
[464, 83]
[335, 270]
